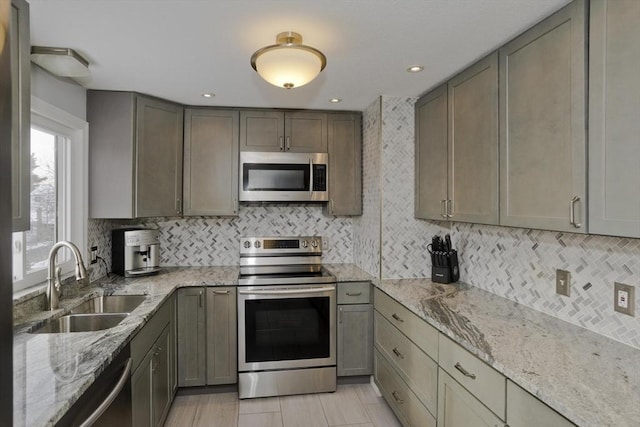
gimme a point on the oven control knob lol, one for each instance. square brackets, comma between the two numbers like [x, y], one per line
[314, 243]
[305, 244]
[247, 244]
[256, 244]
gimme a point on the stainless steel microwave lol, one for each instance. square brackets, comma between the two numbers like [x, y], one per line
[288, 177]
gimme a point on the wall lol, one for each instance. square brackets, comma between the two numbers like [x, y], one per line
[201, 241]
[63, 93]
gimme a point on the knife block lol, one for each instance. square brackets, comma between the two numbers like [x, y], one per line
[444, 267]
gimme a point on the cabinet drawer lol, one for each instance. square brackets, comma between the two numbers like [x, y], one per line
[354, 293]
[416, 329]
[404, 403]
[416, 368]
[150, 332]
[484, 382]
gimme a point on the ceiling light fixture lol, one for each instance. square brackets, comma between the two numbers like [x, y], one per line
[335, 100]
[415, 69]
[60, 61]
[288, 63]
[208, 95]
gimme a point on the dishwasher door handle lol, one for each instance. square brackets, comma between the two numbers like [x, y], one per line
[126, 372]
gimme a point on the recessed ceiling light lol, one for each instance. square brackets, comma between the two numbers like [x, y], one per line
[208, 95]
[335, 100]
[415, 69]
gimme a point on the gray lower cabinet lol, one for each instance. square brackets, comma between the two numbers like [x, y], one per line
[525, 410]
[345, 164]
[20, 115]
[207, 337]
[542, 124]
[355, 329]
[614, 125]
[153, 354]
[135, 155]
[211, 150]
[295, 131]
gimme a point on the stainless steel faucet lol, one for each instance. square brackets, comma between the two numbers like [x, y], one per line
[53, 279]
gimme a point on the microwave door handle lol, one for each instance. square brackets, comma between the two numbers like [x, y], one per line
[310, 177]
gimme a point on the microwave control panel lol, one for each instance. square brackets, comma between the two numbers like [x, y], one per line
[320, 177]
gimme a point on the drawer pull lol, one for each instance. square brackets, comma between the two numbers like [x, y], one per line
[397, 398]
[354, 294]
[398, 318]
[466, 373]
[397, 353]
[221, 292]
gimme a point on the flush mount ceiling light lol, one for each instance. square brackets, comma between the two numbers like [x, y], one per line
[288, 63]
[60, 61]
[208, 95]
[415, 69]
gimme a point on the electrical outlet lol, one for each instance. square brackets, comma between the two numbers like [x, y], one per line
[93, 255]
[624, 298]
[563, 282]
[325, 243]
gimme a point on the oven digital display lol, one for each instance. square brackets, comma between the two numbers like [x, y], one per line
[282, 244]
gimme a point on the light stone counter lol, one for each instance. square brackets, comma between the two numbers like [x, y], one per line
[51, 371]
[348, 273]
[590, 379]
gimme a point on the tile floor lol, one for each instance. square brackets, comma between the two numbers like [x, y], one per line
[355, 405]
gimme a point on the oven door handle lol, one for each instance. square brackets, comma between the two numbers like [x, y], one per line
[286, 291]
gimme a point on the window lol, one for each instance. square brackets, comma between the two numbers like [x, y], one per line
[58, 194]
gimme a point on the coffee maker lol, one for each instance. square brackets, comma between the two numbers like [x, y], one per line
[135, 251]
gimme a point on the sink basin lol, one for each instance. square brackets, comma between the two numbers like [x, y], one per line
[110, 304]
[81, 323]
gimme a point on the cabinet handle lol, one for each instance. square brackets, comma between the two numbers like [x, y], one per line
[397, 398]
[572, 212]
[354, 294]
[332, 209]
[178, 206]
[288, 143]
[235, 205]
[340, 315]
[443, 208]
[449, 205]
[221, 292]
[281, 144]
[466, 373]
[397, 353]
[398, 318]
[200, 298]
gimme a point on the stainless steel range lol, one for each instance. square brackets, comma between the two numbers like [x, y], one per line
[286, 318]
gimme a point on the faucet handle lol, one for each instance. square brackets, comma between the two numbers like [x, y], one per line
[57, 281]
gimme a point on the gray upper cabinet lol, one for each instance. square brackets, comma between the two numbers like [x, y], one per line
[211, 139]
[135, 155]
[614, 124]
[542, 125]
[20, 115]
[431, 155]
[473, 143]
[295, 131]
[345, 164]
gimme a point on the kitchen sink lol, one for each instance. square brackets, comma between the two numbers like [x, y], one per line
[81, 323]
[110, 304]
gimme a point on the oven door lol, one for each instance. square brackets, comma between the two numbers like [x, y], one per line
[268, 177]
[282, 327]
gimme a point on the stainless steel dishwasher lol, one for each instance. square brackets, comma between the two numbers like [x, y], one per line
[107, 402]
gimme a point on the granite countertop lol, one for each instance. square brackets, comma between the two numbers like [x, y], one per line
[589, 378]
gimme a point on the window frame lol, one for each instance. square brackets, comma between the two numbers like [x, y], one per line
[75, 175]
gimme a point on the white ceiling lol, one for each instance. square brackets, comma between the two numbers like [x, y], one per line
[178, 49]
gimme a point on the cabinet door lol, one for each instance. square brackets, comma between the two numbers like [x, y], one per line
[459, 408]
[20, 115]
[211, 140]
[473, 143]
[542, 124]
[191, 337]
[524, 410]
[141, 393]
[173, 345]
[161, 378]
[261, 130]
[614, 125]
[305, 132]
[222, 341]
[355, 339]
[431, 155]
[158, 178]
[345, 164]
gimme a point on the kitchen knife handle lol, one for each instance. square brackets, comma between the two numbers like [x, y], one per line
[572, 211]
